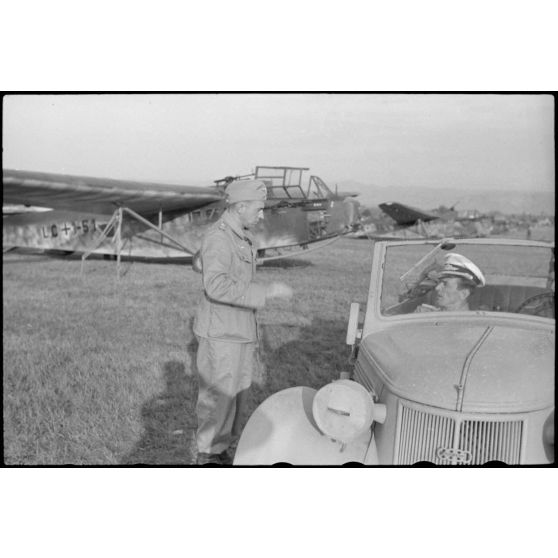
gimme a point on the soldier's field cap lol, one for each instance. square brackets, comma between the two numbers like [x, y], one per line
[456, 265]
[246, 190]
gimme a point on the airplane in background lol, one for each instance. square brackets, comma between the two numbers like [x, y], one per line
[150, 221]
[412, 223]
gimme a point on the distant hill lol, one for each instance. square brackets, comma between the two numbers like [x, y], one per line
[428, 198]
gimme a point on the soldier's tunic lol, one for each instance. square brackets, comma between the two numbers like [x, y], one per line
[227, 331]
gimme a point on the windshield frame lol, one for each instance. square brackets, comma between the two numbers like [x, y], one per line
[374, 319]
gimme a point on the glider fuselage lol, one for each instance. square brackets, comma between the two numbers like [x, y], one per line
[293, 222]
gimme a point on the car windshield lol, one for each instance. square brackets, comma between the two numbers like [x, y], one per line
[514, 274]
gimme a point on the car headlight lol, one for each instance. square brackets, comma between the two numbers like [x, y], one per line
[344, 410]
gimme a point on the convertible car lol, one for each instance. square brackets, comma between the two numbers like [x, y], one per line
[469, 387]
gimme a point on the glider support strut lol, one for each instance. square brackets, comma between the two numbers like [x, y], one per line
[115, 223]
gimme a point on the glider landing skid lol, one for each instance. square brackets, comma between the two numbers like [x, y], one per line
[115, 223]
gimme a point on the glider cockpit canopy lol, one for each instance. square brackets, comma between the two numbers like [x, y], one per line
[285, 184]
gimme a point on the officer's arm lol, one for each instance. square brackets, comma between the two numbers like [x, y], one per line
[218, 282]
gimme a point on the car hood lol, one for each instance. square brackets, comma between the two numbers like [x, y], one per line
[501, 368]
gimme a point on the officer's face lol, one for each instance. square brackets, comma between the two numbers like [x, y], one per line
[250, 213]
[449, 295]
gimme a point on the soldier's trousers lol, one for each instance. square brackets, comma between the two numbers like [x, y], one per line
[225, 372]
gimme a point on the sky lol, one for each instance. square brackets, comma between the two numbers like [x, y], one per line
[411, 140]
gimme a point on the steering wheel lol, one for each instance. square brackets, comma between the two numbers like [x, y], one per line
[541, 304]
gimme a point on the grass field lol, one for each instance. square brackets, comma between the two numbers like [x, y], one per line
[100, 373]
[97, 372]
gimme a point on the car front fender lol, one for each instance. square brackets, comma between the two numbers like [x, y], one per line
[282, 430]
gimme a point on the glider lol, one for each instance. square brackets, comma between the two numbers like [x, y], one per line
[414, 224]
[145, 220]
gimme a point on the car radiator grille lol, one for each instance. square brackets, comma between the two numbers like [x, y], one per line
[445, 440]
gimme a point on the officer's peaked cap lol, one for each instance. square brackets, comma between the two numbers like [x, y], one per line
[456, 265]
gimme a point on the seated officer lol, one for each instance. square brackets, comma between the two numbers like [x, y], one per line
[457, 280]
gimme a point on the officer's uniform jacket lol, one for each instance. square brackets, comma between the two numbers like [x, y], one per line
[227, 311]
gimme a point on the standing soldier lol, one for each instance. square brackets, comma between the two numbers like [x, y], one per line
[225, 323]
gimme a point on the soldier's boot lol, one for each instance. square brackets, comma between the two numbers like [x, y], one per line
[226, 458]
[209, 459]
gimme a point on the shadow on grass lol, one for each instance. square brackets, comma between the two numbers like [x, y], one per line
[15, 258]
[35, 254]
[314, 358]
[286, 263]
[169, 421]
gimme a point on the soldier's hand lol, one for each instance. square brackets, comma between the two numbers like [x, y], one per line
[279, 290]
